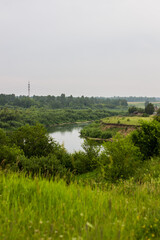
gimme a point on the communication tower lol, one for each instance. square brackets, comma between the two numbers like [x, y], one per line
[28, 89]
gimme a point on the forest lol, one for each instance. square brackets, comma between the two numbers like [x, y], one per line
[60, 102]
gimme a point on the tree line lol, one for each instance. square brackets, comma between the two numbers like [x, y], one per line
[59, 102]
[11, 119]
[139, 99]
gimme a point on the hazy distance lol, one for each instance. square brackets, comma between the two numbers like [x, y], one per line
[83, 47]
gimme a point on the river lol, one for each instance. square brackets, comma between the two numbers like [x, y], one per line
[69, 136]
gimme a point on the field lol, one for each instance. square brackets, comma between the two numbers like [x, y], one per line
[41, 209]
[141, 104]
[126, 120]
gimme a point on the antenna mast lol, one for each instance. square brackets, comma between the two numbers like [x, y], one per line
[28, 89]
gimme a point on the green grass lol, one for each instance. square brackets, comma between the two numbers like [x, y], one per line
[42, 209]
[126, 120]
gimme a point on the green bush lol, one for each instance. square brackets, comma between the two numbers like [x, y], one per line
[147, 138]
[106, 135]
[33, 140]
[45, 166]
[120, 158]
[9, 155]
[80, 163]
[3, 137]
[88, 160]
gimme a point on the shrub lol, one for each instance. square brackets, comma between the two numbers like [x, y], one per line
[80, 163]
[9, 155]
[106, 135]
[120, 158]
[147, 138]
[88, 160]
[34, 140]
[45, 166]
[3, 137]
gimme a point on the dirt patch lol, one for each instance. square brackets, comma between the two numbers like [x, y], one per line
[124, 129]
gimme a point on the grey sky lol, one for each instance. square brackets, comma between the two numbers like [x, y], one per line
[80, 47]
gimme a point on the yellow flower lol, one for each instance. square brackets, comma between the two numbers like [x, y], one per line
[138, 217]
[143, 226]
[153, 235]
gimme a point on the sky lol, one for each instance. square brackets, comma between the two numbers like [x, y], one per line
[80, 47]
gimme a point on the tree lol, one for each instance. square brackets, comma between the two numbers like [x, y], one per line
[132, 109]
[34, 140]
[149, 109]
[147, 138]
[3, 137]
[120, 158]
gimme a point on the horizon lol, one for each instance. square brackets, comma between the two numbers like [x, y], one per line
[26, 95]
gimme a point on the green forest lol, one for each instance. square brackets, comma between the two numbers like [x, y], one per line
[60, 102]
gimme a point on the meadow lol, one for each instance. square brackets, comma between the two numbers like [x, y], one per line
[141, 104]
[42, 209]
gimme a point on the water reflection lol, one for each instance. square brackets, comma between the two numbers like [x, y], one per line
[69, 135]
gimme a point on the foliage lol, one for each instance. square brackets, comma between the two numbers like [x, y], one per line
[13, 118]
[9, 155]
[147, 138]
[149, 108]
[33, 140]
[120, 158]
[43, 166]
[59, 102]
[93, 130]
[135, 109]
[88, 160]
[3, 137]
[134, 99]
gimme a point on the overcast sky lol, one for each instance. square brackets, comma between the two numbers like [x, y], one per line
[80, 47]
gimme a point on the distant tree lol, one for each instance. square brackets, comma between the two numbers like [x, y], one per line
[149, 109]
[132, 109]
[146, 103]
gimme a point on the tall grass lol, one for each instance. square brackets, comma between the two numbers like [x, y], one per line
[42, 209]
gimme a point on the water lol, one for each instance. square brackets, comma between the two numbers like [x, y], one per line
[69, 136]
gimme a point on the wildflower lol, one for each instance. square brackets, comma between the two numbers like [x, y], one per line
[138, 217]
[153, 235]
[143, 226]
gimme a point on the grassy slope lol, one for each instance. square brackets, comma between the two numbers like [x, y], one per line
[126, 120]
[39, 209]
